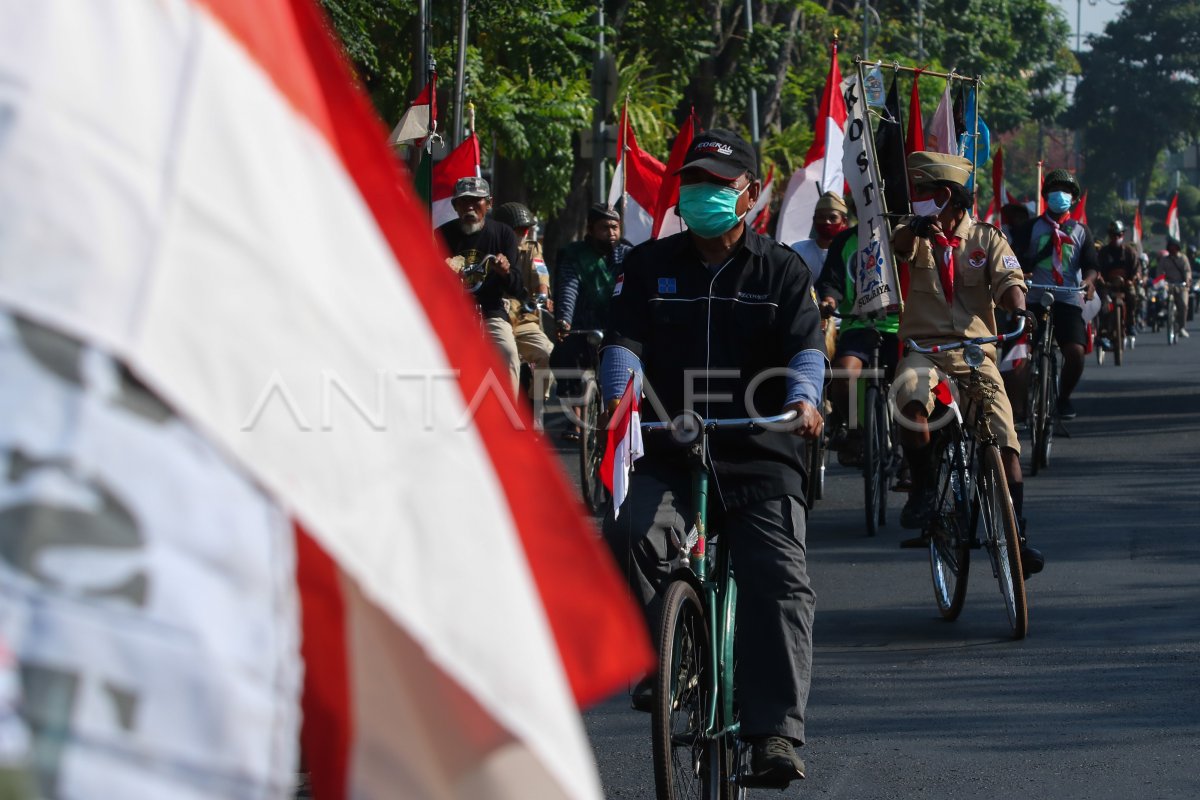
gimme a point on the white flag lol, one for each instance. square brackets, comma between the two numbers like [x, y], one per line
[875, 270]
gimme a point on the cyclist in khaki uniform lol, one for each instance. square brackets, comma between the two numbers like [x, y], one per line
[533, 345]
[960, 270]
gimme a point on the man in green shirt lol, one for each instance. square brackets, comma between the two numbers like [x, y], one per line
[856, 341]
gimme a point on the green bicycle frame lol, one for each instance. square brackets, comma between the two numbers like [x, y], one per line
[720, 591]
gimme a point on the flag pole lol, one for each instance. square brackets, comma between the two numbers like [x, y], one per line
[625, 156]
[1037, 190]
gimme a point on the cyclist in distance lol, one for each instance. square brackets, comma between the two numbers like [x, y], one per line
[1175, 267]
[837, 290]
[532, 343]
[1117, 263]
[1058, 251]
[585, 272]
[959, 271]
[723, 321]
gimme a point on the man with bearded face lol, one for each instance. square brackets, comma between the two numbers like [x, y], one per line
[724, 322]
[470, 239]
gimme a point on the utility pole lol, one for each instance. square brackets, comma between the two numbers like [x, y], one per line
[459, 76]
[422, 60]
[866, 30]
[755, 139]
[599, 112]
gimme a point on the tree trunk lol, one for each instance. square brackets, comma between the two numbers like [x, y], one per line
[568, 225]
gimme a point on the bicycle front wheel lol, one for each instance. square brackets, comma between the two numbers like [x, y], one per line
[687, 763]
[591, 451]
[1002, 539]
[1044, 435]
[949, 530]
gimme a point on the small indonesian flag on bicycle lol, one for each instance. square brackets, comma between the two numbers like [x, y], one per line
[1016, 354]
[945, 396]
[624, 443]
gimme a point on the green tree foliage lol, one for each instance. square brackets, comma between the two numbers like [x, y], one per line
[1140, 91]
[528, 70]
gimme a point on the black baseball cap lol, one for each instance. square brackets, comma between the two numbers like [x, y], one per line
[721, 153]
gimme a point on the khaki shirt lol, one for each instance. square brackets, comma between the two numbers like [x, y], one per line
[984, 269]
[529, 262]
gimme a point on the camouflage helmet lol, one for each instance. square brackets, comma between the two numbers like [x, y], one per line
[514, 215]
[1060, 177]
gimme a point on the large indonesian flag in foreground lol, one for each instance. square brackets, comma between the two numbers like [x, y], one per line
[195, 188]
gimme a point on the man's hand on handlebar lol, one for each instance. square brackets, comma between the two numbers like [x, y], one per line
[808, 422]
[502, 265]
[828, 306]
[564, 328]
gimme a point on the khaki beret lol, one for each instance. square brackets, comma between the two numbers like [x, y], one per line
[831, 201]
[928, 167]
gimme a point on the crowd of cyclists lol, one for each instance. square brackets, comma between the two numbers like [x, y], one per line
[720, 298]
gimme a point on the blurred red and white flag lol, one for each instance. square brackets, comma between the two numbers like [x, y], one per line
[1137, 228]
[1016, 354]
[1173, 217]
[940, 136]
[199, 202]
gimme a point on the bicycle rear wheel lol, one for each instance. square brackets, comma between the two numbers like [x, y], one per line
[874, 460]
[687, 764]
[1119, 336]
[592, 441]
[949, 530]
[1002, 539]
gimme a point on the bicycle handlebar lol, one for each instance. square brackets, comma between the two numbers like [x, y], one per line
[1050, 287]
[944, 348]
[745, 423]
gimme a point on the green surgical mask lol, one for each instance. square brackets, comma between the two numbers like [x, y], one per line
[709, 209]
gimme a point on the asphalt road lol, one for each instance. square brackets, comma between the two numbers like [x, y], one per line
[1102, 700]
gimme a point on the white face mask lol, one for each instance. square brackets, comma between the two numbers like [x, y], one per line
[928, 208]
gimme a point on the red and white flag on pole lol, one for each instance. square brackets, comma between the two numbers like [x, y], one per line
[419, 119]
[822, 170]
[940, 136]
[915, 139]
[666, 221]
[1137, 228]
[201, 193]
[945, 396]
[624, 443]
[1173, 217]
[462, 162]
[638, 180]
[760, 215]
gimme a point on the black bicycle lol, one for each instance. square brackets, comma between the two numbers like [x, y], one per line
[593, 437]
[974, 509]
[1045, 372]
[882, 455]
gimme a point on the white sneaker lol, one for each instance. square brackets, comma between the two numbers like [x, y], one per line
[1183, 332]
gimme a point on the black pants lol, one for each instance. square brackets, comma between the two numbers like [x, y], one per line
[775, 599]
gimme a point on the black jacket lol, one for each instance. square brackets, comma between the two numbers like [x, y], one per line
[751, 315]
[495, 238]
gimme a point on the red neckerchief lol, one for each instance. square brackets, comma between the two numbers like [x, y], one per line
[1056, 255]
[946, 268]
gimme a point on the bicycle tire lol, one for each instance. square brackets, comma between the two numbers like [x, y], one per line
[1170, 320]
[1119, 337]
[1002, 540]
[949, 531]
[1045, 436]
[873, 471]
[687, 765]
[592, 441]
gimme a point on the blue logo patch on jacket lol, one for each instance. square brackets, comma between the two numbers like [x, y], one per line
[666, 286]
